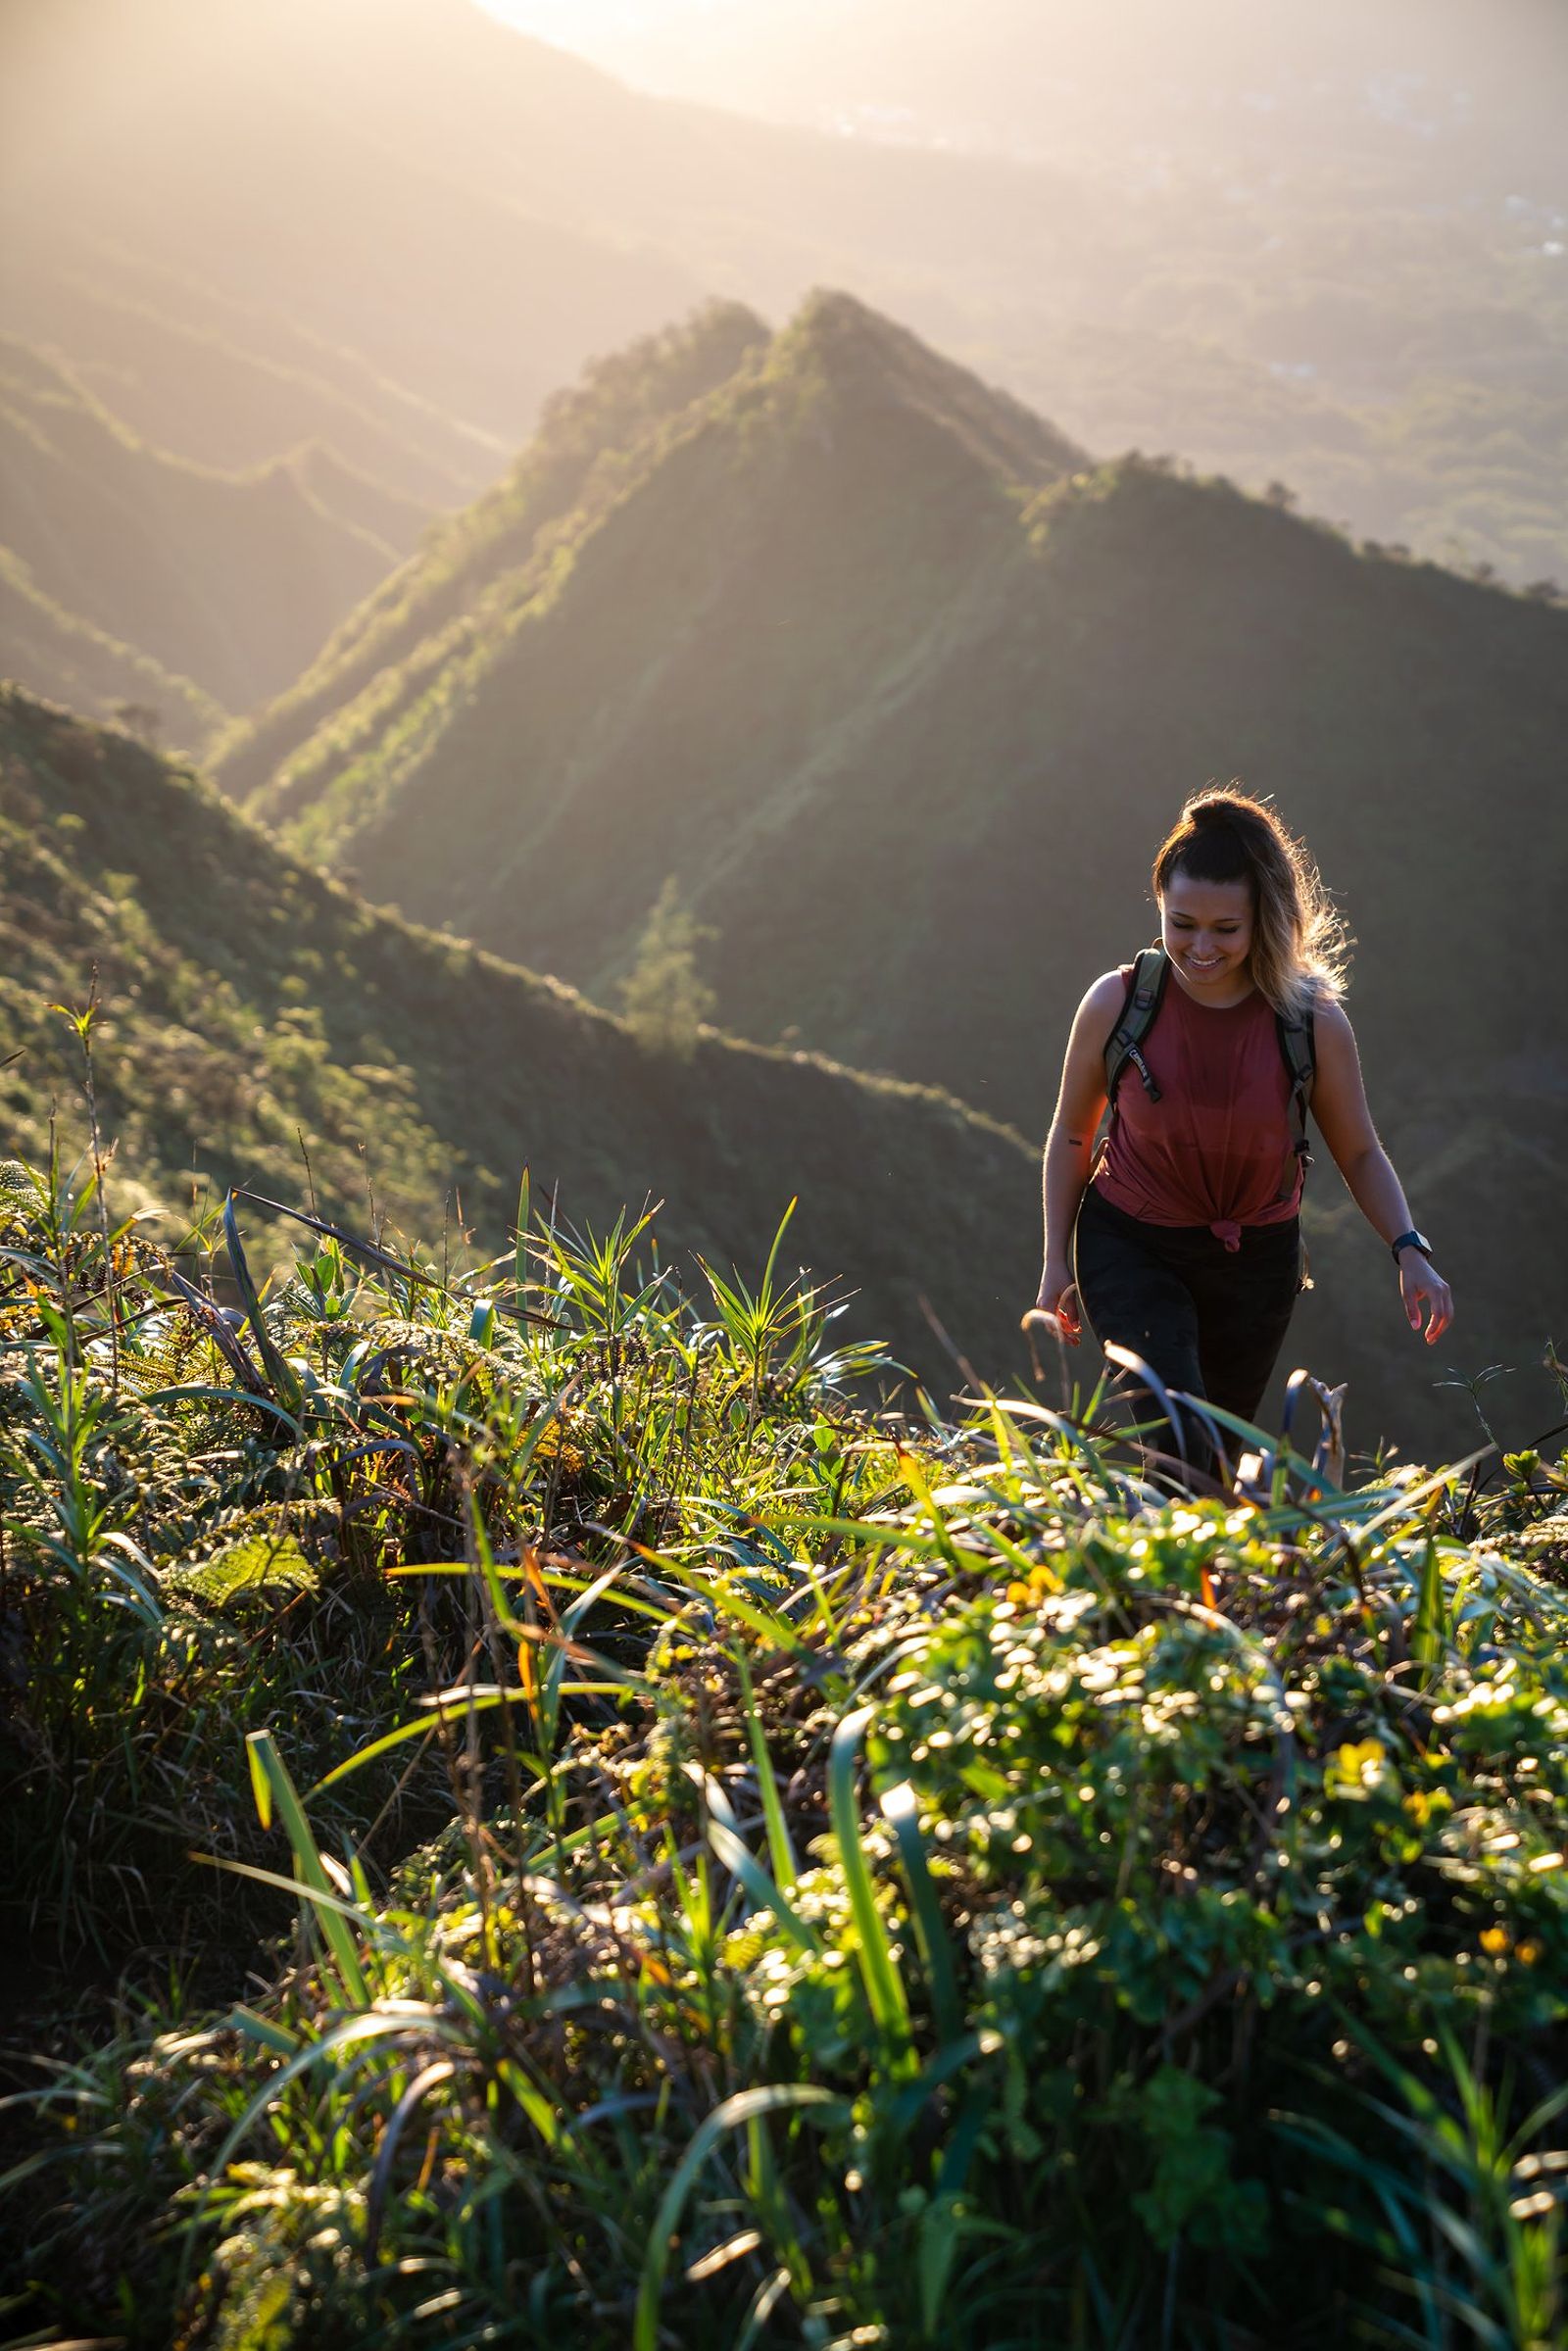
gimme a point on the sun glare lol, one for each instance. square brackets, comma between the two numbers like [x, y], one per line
[592, 26]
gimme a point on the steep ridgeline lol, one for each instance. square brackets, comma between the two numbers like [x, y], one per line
[749, 572]
[493, 557]
[905, 697]
[249, 1002]
[221, 378]
[225, 581]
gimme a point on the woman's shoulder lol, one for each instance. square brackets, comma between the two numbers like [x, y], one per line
[1325, 1010]
[1107, 994]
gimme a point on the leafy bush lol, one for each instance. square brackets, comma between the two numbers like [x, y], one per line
[762, 1871]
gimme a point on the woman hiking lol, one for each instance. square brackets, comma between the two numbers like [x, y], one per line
[1180, 1239]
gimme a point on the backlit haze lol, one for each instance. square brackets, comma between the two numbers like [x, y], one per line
[1053, 77]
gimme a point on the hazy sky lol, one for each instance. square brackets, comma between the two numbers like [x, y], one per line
[1009, 72]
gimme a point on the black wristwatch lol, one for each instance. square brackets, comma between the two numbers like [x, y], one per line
[1411, 1239]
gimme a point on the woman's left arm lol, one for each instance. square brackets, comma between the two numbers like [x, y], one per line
[1340, 1107]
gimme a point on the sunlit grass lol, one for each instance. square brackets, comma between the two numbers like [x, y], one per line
[761, 1870]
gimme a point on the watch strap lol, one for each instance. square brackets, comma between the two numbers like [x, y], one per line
[1411, 1239]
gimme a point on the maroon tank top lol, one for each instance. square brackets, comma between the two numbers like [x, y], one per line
[1218, 1146]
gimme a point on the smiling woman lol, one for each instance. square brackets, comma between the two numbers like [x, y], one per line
[1179, 1239]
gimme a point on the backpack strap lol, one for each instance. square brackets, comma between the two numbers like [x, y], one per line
[1144, 993]
[1299, 1050]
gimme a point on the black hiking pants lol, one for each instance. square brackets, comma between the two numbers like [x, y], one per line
[1206, 1320]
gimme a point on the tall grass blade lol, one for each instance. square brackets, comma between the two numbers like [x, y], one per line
[884, 1987]
[1431, 1633]
[275, 1789]
[748, 2105]
[278, 1370]
[780, 1850]
[901, 1812]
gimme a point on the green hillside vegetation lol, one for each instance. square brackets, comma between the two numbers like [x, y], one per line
[249, 1006]
[1335, 302]
[846, 472]
[574, 467]
[695, 1864]
[906, 698]
[229, 580]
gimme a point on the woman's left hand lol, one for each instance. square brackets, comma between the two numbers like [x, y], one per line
[1422, 1285]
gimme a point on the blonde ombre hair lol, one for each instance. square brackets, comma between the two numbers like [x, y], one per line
[1299, 943]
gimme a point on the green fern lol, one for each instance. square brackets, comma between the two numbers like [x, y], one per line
[260, 1564]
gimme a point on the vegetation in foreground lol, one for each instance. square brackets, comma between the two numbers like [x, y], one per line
[761, 1873]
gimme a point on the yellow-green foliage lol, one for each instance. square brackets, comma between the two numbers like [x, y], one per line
[763, 1852]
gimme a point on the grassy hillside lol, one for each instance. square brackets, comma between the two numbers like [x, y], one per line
[231, 580]
[906, 727]
[577, 1834]
[820, 523]
[247, 1004]
[574, 466]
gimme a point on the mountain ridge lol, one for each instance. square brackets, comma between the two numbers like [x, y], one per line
[230, 580]
[839, 389]
[822, 557]
[1283, 326]
[620, 403]
[250, 1009]
[906, 731]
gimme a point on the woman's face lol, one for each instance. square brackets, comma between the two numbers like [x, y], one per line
[1208, 931]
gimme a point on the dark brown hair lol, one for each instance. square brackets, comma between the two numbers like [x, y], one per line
[1300, 945]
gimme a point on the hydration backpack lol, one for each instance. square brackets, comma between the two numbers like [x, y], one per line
[1145, 992]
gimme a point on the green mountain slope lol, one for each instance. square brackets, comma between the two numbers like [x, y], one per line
[857, 655]
[249, 1003]
[572, 470]
[815, 530]
[908, 731]
[231, 580]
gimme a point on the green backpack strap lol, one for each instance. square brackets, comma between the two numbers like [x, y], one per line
[1144, 993]
[1299, 1049]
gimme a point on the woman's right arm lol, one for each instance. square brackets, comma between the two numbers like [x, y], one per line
[1080, 1105]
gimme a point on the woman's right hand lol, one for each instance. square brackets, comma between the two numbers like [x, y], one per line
[1058, 1305]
